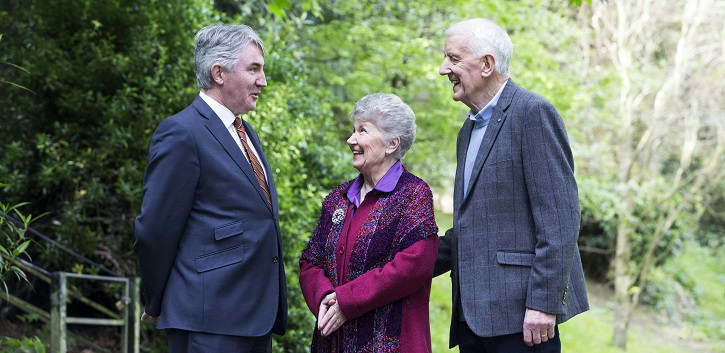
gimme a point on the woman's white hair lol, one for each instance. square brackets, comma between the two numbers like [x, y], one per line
[391, 116]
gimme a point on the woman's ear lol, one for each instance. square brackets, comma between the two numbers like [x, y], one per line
[393, 145]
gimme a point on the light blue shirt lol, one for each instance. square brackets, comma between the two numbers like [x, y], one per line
[481, 122]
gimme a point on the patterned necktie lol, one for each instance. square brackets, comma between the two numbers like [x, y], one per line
[252, 158]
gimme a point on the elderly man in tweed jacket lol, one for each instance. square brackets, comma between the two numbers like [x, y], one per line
[512, 251]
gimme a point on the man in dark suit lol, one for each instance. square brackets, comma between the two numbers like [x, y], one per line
[208, 237]
[512, 251]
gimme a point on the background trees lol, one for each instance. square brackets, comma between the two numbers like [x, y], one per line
[661, 132]
[639, 85]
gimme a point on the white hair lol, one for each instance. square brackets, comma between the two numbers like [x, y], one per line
[391, 116]
[486, 37]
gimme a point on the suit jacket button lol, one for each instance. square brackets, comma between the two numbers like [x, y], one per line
[275, 259]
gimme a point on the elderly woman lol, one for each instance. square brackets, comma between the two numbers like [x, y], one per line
[366, 273]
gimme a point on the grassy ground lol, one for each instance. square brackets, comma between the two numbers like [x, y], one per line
[703, 331]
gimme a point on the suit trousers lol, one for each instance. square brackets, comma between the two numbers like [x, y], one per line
[181, 341]
[468, 342]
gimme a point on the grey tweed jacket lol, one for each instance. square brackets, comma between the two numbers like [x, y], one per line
[513, 244]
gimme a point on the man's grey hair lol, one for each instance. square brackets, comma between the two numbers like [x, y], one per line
[391, 116]
[486, 37]
[220, 44]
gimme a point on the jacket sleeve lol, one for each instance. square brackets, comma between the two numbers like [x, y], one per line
[399, 278]
[444, 258]
[169, 185]
[549, 173]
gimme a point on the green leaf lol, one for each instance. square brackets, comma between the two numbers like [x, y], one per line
[17, 85]
[279, 7]
[19, 273]
[22, 247]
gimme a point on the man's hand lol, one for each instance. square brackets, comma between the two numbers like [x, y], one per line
[149, 318]
[538, 327]
[330, 317]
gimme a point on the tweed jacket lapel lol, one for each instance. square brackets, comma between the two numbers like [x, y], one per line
[464, 137]
[489, 138]
[221, 134]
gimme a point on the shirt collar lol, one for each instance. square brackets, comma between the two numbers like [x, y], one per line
[221, 111]
[386, 184]
[484, 116]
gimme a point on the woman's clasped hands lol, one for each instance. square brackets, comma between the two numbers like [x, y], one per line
[330, 316]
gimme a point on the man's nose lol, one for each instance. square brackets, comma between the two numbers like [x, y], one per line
[444, 69]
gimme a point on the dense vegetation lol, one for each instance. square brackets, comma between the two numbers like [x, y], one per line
[98, 76]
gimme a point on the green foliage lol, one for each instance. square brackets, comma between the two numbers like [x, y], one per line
[601, 214]
[689, 288]
[21, 345]
[687, 315]
[711, 227]
[104, 75]
[13, 242]
[13, 66]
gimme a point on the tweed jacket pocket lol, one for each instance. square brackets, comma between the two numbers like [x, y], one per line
[514, 258]
[219, 259]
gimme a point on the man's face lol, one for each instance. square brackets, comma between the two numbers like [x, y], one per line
[464, 71]
[242, 85]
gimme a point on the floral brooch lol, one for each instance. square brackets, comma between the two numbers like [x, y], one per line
[338, 216]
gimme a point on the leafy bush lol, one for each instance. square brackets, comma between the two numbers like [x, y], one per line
[13, 243]
[21, 345]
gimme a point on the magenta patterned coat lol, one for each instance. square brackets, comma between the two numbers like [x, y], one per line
[386, 294]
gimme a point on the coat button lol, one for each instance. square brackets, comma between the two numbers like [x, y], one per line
[275, 259]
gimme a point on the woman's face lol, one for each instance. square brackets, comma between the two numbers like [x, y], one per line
[368, 148]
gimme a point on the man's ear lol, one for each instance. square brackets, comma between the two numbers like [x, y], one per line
[216, 74]
[393, 145]
[488, 66]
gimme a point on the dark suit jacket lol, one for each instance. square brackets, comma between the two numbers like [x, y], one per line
[208, 243]
[513, 244]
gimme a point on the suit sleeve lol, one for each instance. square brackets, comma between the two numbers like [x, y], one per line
[169, 185]
[444, 257]
[409, 270]
[549, 174]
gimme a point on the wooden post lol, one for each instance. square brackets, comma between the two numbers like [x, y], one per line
[133, 316]
[58, 298]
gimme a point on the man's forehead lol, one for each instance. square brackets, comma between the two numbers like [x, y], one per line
[455, 42]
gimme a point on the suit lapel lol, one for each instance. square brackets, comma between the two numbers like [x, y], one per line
[489, 138]
[464, 137]
[221, 134]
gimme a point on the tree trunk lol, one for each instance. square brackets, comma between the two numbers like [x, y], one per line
[622, 282]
